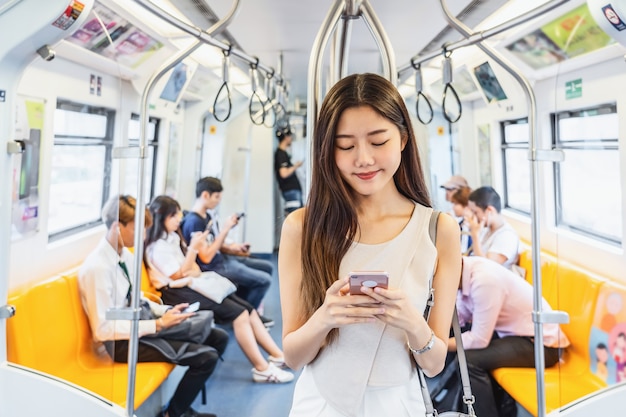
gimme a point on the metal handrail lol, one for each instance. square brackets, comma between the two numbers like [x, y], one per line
[382, 41]
[204, 36]
[477, 37]
[140, 204]
[534, 207]
[314, 84]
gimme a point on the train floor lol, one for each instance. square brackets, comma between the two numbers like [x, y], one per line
[230, 390]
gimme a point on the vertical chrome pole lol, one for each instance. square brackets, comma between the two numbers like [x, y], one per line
[140, 204]
[534, 209]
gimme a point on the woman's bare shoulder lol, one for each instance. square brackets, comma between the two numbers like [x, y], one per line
[293, 224]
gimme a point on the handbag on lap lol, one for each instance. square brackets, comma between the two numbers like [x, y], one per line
[213, 286]
[210, 284]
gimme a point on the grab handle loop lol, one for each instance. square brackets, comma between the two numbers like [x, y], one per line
[447, 81]
[224, 88]
[256, 108]
[270, 115]
[420, 96]
[279, 108]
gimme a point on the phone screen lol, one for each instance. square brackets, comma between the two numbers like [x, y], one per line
[192, 307]
[369, 279]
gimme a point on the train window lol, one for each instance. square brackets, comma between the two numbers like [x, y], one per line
[81, 155]
[588, 187]
[515, 136]
[129, 178]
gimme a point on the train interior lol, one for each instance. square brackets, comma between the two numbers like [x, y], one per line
[143, 97]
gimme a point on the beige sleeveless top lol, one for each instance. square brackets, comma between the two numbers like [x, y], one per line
[374, 354]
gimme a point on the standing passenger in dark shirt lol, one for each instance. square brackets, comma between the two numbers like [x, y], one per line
[286, 171]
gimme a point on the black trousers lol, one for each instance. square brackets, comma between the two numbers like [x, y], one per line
[510, 352]
[200, 366]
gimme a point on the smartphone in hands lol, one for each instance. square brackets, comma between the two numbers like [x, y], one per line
[369, 279]
[192, 308]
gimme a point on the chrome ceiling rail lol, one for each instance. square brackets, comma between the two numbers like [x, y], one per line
[314, 77]
[341, 42]
[339, 9]
[388, 57]
[484, 34]
[206, 36]
[140, 203]
[538, 317]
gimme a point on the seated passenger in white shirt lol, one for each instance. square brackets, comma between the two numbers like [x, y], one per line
[492, 236]
[105, 282]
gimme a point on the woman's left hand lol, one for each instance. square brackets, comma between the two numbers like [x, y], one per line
[399, 311]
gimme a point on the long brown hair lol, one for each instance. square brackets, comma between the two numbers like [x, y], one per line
[330, 221]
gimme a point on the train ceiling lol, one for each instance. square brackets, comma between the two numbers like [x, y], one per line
[281, 33]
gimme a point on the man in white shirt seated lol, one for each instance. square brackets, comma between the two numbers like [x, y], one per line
[492, 236]
[105, 282]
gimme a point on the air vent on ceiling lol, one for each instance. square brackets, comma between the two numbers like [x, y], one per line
[203, 17]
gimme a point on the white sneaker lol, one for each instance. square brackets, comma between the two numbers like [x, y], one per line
[279, 362]
[271, 374]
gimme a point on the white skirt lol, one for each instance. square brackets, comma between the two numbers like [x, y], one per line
[398, 401]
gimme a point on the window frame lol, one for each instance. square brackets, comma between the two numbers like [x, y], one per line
[150, 142]
[600, 144]
[107, 141]
[504, 147]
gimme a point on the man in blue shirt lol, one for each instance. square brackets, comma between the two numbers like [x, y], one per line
[252, 276]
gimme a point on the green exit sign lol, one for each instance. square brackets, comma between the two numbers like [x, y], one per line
[573, 89]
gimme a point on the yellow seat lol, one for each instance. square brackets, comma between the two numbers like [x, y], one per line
[50, 333]
[571, 289]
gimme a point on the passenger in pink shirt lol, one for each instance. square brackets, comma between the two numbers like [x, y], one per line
[497, 306]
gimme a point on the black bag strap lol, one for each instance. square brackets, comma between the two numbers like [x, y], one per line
[468, 398]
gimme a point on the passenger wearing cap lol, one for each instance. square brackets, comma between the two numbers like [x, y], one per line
[454, 183]
[286, 171]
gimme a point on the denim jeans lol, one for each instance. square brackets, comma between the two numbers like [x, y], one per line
[293, 200]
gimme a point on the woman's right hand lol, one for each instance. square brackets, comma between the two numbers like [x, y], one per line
[340, 308]
[197, 240]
